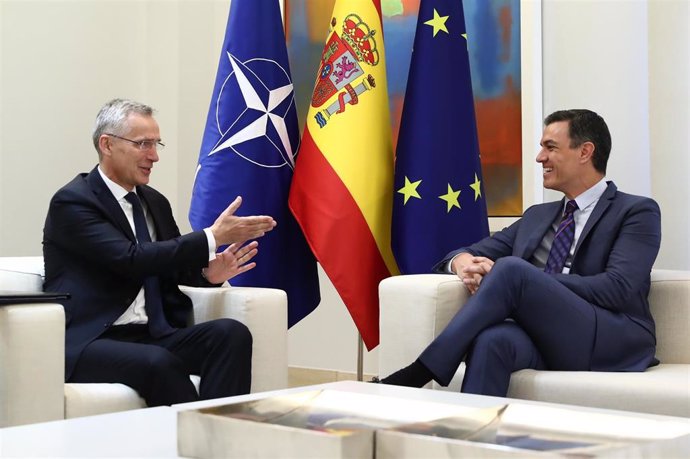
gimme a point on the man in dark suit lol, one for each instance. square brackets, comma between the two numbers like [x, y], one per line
[112, 242]
[563, 288]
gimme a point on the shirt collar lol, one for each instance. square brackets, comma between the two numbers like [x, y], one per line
[118, 192]
[591, 195]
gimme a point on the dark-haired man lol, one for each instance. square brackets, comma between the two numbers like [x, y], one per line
[112, 242]
[563, 288]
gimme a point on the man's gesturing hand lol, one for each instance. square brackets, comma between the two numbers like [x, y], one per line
[229, 228]
[234, 260]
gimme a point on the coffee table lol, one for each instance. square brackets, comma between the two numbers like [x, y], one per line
[152, 432]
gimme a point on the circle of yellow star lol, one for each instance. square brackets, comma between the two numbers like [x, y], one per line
[477, 187]
[410, 190]
[451, 198]
[438, 22]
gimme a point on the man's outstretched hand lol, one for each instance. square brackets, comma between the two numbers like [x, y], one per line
[229, 228]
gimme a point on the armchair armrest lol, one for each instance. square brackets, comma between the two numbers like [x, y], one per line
[669, 301]
[19, 281]
[264, 312]
[32, 363]
[414, 309]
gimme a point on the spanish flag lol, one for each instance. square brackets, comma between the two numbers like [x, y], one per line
[342, 188]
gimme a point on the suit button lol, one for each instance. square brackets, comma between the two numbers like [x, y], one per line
[106, 325]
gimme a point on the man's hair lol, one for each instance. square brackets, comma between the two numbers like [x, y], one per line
[112, 118]
[586, 126]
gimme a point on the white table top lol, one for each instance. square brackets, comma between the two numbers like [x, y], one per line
[152, 432]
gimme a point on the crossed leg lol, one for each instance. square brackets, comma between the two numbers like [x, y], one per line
[556, 331]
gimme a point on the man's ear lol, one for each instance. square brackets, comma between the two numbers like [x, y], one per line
[586, 152]
[104, 145]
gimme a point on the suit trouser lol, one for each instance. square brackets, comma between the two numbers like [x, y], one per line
[158, 369]
[520, 317]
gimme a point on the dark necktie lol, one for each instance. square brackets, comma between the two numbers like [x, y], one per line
[158, 325]
[562, 241]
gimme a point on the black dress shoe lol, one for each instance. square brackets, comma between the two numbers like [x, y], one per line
[414, 375]
[375, 380]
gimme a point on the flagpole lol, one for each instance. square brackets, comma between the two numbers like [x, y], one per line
[360, 357]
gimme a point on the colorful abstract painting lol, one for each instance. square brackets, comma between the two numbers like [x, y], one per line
[493, 36]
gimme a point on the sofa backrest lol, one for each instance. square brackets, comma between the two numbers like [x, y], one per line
[669, 300]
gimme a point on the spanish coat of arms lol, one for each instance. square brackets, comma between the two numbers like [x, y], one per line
[341, 67]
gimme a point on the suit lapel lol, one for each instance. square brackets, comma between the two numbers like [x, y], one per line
[108, 201]
[539, 225]
[599, 209]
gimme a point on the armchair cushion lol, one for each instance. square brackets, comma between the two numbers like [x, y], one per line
[91, 399]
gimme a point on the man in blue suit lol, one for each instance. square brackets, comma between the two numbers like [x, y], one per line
[112, 242]
[563, 288]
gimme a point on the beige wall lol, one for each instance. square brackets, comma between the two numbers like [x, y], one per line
[669, 122]
[628, 60]
[61, 59]
[595, 56]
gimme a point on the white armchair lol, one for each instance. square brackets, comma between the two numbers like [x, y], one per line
[32, 346]
[416, 308]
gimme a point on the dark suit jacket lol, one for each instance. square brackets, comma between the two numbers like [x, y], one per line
[610, 268]
[91, 252]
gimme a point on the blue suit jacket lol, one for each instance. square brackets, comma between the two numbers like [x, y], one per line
[610, 270]
[91, 252]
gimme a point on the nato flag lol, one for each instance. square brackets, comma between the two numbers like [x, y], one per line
[249, 146]
[439, 202]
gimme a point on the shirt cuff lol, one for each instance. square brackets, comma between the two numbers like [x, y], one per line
[450, 265]
[211, 244]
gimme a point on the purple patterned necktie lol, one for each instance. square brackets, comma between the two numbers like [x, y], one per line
[562, 241]
[158, 324]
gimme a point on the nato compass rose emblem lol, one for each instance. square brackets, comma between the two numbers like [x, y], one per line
[255, 114]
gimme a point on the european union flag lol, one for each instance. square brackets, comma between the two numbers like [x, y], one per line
[249, 148]
[439, 200]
